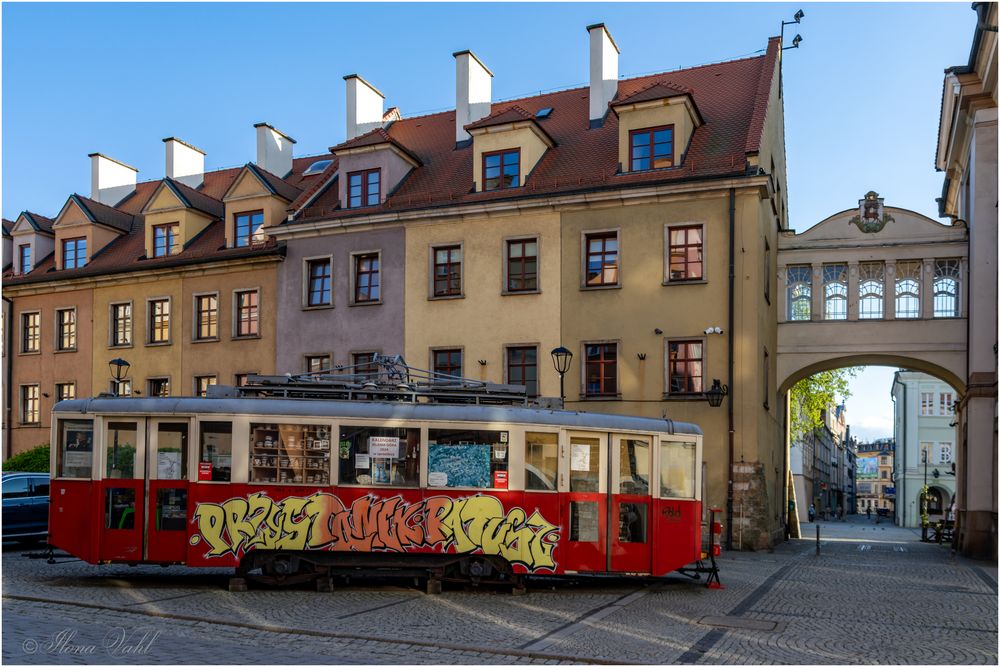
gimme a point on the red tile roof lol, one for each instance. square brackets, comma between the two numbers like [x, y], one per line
[104, 214]
[512, 114]
[376, 137]
[655, 91]
[192, 198]
[275, 184]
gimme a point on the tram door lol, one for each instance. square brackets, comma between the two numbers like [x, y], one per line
[167, 490]
[630, 539]
[122, 488]
[583, 487]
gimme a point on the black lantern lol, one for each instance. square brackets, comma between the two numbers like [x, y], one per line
[119, 371]
[562, 359]
[715, 395]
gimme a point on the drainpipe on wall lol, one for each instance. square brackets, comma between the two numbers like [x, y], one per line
[732, 388]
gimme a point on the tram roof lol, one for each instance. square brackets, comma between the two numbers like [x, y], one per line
[375, 410]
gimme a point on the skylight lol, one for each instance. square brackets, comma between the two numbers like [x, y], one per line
[543, 113]
[316, 167]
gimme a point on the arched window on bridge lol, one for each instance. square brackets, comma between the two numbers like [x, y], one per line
[835, 292]
[946, 277]
[907, 290]
[799, 283]
[871, 290]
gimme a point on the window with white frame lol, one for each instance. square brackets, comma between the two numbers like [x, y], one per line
[798, 281]
[871, 290]
[926, 403]
[907, 290]
[946, 403]
[835, 292]
[944, 452]
[946, 277]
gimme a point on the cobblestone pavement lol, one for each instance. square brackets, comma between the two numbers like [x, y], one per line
[874, 594]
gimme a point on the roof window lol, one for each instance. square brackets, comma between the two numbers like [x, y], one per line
[543, 113]
[316, 167]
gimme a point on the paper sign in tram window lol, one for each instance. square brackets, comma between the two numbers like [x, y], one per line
[361, 461]
[580, 459]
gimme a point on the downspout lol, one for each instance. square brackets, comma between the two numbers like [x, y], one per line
[729, 403]
[8, 344]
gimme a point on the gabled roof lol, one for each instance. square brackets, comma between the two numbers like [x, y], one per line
[274, 184]
[194, 199]
[376, 137]
[660, 90]
[102, 214]
[7, 226]
[38, 222]
[512, 114]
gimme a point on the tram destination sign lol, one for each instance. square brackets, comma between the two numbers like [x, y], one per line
[383, 447]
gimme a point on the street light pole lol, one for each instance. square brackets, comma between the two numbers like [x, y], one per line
[561, 360]
[923, 499]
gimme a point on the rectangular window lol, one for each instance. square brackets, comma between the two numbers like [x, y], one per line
[522, 265]
[907, 290]
[159, 321]
[601, 369]
[799, 285]
[317, 363]
[467, 458]
[651, 148]
[502, 169]
[171, 463]
[601, 259]
[946, 403]
[206, 317]
[585, 465]
[320, 292]
[202, 383]
[686, 253]
[835, 292]
[926, 403]
[375, 456]
[871, 290]
[158, 387]
[31, 332]
[522, 368]
[121, 443]
[947, 273]
[249, 228]
[364, 363]
[677, 469]
[447, 270]
[541, 461]
[29, 404]
[76, 445]
[123, 388]
[66, 329]
[121, 324]
[944, 452]
[165, 240]
[215, 452]
[685, 359]
[74, 253]
[290, 453]
[247, 313]
[447, 362]
[242, 379]
[767, 271]
[364, 188]
[366, 278]
[24, 258]
[65, 391]
[633, 467]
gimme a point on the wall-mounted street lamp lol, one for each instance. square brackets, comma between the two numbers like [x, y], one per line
[715, 395]
[561, 360]
[119, 371]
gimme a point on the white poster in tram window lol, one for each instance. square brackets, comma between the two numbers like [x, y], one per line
[580, 459]
[383, 447]
[361, 461]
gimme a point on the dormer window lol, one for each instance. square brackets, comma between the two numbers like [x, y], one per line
[165, 240]
[24, 257]
[502, 169]
[249, 228]
[74, 252]
[364, 188]
[651, 148]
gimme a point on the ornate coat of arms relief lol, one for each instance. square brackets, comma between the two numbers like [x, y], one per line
[871, 217]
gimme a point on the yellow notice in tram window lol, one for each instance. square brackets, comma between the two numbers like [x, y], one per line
[580, 459]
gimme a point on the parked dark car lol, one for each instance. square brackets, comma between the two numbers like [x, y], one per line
[25, 506]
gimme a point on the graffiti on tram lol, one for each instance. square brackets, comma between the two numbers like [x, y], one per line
[321, 521]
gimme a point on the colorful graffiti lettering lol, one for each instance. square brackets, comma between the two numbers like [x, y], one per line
[321, 521]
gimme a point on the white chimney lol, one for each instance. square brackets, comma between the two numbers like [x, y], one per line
[473, 92]
[365, 106]
[110, 180]
[185, 163]
[274, 150]
[603, 71]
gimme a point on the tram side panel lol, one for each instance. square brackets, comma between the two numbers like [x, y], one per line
[74, 518]
[677, 532]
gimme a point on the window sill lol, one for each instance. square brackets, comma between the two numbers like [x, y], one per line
[159, 344]
[123, 346]
[322, 306]
[674, 283]
[519, 292]
[205, 340]
[29, 354]
[69, 349]
[684, 397]
[445, 297]
[597, 288]
[377, 302]
[600, 397]
[250, 337]
[30, 424]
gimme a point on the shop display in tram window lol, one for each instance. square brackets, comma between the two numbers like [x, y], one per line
[290, 453]
[373, 456]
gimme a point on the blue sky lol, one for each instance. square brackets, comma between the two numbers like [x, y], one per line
[862, 93]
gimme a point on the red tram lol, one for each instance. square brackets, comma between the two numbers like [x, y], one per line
[308, 477]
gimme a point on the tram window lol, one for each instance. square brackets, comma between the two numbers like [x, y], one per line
[171, 451]
[216, 450]
[541, 461]
[584, 465]
[171, 509]
[119, 509]
[467, 458]
[290, 453]
[633, 467]
[121, 444]
[677, 461]
[632, 522]
[584, 524]
[76, 448]
[379, 456]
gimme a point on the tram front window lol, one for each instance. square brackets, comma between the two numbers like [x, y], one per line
[121, 444]
[379, 456]
[76, 448]
[677, 469]
[467, 458]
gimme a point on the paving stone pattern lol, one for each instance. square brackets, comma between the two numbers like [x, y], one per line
[875, 594]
